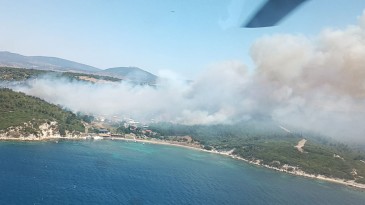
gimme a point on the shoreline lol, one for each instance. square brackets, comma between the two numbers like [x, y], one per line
[40, 139]
[350, 183]
[300, 173]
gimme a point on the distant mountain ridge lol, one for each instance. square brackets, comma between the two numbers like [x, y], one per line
[134, 74]
[130, 73]
[43, 63]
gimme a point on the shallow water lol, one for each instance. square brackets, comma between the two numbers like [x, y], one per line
[118, 172]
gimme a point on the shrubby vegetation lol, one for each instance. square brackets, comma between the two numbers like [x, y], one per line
[22, 74]
[85, 118]
[17, 108]
[19, 74]
[75, 76]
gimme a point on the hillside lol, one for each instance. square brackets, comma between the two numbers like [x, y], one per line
[8, 59]
[131, 74]
[24, 115]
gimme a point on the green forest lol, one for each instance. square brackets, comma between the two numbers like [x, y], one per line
[17, 108]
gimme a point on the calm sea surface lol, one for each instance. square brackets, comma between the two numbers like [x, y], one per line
[118, 172]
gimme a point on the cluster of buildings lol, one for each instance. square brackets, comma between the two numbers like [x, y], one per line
[128, 123]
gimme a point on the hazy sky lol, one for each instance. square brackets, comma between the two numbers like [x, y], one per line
[183, 36]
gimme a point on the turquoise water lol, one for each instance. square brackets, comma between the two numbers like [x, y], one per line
[118, 172]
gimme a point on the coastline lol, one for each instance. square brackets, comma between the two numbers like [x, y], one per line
[350, 183]
[40, 139]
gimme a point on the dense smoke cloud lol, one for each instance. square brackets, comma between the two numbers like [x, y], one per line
[316, 84]
[212, 98]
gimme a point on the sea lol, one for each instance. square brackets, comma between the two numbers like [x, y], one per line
[119, 172]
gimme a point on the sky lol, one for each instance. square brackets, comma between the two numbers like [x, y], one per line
[185, 37]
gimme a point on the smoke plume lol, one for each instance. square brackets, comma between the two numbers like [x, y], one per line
[313, 83]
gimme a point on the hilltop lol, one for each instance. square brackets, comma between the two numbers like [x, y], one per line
[8, 59]
[133, 74]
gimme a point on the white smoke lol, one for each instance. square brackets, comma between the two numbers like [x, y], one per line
[210, 99]
[318, 84]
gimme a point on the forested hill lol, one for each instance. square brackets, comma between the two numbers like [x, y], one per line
[20, 110]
